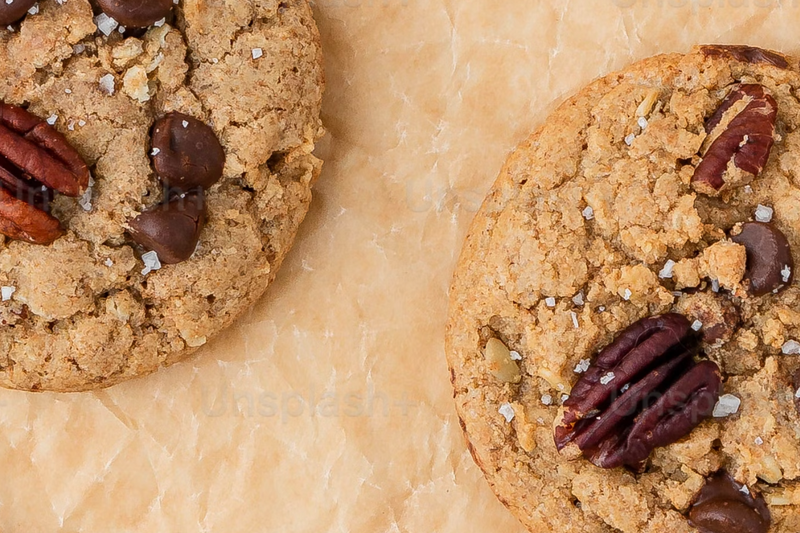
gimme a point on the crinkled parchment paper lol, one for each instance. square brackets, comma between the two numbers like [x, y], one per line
[328, 407]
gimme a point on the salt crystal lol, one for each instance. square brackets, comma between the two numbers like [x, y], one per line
[107, 85]
[625, 388]
[748, 189]
[81, 123]
[85, 201]
[666, 272]
[34, 9]
[726, 405]
[588, 213]
[9, 2]
[121, 29]
[547, 399]
[575, 319]
[108, 262]
[550, 302]
[68, 91]
[764, 213]
[602, 308]
[715, 285]
[160, 23]
[105, 24]
[628, 294]
[515, 356]
[152, 263]
[786, 273]
[52, 119]
[759, 441]
[564, 398]
[257, 53]
[578, 299]
[744, 490]
[155, 151]
[791, 347]
[797, 394]
[6, 292]
[629, 139]
[185, 123]
[642, 122]
[582, 366]
[608, 378]
[507, 411]
[697, 325]
[79, 48]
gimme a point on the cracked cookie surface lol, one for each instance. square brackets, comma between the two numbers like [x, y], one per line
[594, 224]
[80, 314]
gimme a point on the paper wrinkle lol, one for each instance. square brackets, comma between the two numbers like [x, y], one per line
[329, 407]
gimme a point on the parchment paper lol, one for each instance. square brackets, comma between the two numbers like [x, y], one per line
[328, 407]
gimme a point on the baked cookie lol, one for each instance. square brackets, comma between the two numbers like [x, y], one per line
[624, 319]
[155, 164]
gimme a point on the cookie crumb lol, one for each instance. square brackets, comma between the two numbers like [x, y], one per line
[547, 399]
[105, 24]
[6, 292]
[550, 302]
[507, 411]
[764, 213]
[582, 366]
[151, 262]
[666, 272]
[791, 347]
[608, 378]
[79, 49]
[588, 213]
[257, 53]
[726, 405]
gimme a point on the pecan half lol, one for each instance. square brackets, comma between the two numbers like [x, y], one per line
[741, 133]
[643, 391]
[770, 265]
[723, 507]
[746, 54]
[35, 161]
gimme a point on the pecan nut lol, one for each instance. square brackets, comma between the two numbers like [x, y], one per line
[643, 391]
[741, 133]
[746, 54]
[35, 162]
[722, 507]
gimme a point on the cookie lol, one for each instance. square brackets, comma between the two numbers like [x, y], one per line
[624, 317]
[156, 165]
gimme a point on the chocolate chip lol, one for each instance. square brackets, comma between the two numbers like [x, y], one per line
[746, 54]
[723, 507]
[16, 10]
[136, 13]
[172, 229]
[187, 152]
[770, 265]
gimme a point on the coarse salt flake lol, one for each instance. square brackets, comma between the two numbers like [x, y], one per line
[744, 490]
[6, 292]
[108, 262]
[764, 213]
[515, 356]
[625, 388]
[642, 122]
[257, 53]
[68, 91]
[791, 347]
[715, 285]
[121, 29]
[185, 123]
[578, 299]
[797, 394]
[52, 119]
[582, 366]
[748, 189]
[786, 273]
[575, 319]
[628, 294]
[550, 302]
[160, 23]
[759, 441]
[9, 2]
[547, 399]
[151, 263]
[564, 398]
[608, 378]
[155, 151]
[727, 405]
[588, 213]
[697, 325]
[105, 24]
[507, 411]
[34, 9]
[629, 139]
[666, 272]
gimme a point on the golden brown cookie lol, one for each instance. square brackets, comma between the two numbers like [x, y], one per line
[664, 198]
[93, 308]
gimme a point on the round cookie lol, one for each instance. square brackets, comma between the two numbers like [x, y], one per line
[608, 215]
[87, 311]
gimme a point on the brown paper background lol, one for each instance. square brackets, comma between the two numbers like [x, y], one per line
[345, 419]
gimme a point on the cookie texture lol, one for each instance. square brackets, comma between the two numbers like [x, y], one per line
[595, 223]
[80, 314]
